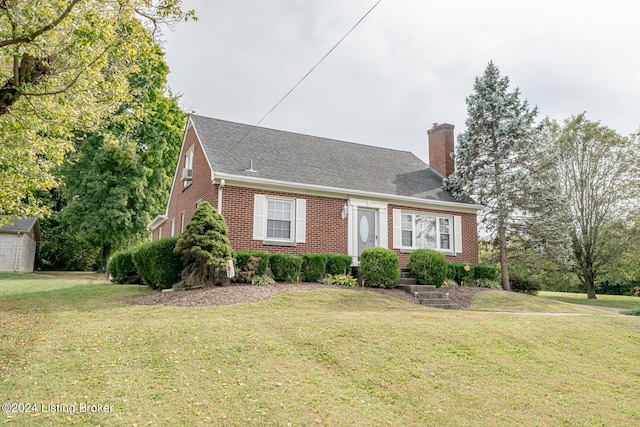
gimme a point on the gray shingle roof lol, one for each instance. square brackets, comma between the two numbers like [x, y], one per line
[21, 225]
[291, 157]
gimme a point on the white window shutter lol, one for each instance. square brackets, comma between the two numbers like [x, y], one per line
[383, 238]
[457, 230]
[301, 221]
[397, 228]
[258, 217]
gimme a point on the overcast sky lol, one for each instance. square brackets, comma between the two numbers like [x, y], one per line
[409, 64]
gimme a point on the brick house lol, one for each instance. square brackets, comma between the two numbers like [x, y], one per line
[18, 241]
[286, 192]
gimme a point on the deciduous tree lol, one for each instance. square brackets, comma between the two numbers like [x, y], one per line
[63, 67]
[598, 171]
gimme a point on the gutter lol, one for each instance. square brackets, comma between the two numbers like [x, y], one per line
[262, 183]
[220, 187]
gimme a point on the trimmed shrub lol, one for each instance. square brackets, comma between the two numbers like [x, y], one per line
[485, 272]
[157, 264]
[338, 264]
[460, 272]
[205, 249]
[122, 269]
[340, 280]
[242, 258]
[379, 267]
[262, 281]
[428, 267]
[285, 267]
[313, 267]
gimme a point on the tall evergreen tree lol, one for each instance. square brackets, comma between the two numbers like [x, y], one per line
[499, 162]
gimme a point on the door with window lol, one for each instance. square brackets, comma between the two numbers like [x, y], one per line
[366, 229]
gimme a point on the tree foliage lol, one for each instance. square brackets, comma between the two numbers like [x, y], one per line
[119, 176]
[598, 171]
[500, 163]
[205, 249]
[63, 67]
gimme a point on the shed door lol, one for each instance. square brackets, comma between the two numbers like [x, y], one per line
[366, 229]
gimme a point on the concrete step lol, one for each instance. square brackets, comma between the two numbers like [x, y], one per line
[412, 289]
[434, 304]
[430, 295]
[405, 273]
[406, 281]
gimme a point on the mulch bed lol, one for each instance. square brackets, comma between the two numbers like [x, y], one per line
[242, 294]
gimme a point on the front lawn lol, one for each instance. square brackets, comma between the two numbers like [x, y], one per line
[615, 301]
[323, 357]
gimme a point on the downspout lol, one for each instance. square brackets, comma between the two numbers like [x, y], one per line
[18, 250]
[220, 186]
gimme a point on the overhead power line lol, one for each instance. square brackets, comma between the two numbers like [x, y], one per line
[300, 81]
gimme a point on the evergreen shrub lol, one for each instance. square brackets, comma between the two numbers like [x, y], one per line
[313, 267]
[338, 264]
[122, 269]
[379, 268]
[157, 265]
[428, 267]
[285, 267]
[242, 258]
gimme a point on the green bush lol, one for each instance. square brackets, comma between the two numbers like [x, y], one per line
[313, 267]
[285, 267]
[485, 272]
[460, 272]
[340, 280]
[612, 285]
[262, 281]
[379, 267]
[428, 267]
[242, 258]
[634, 312]
[524, 283]
[122, 269]
[338, 264]
[157, 264]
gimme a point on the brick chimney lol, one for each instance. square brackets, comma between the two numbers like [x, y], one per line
[440, 148]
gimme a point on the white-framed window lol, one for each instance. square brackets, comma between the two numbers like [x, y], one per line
[188, 164]
[279, 219]
[182, 223]
[173, 227]
[422, 230]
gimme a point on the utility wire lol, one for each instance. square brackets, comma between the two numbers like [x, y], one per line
[300, 81]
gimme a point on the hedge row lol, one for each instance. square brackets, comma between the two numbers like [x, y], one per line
[153, 264]
[291, 268]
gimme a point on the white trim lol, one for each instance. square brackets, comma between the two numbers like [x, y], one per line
[220, 187]
[173, 227]
[157, 222]
[259, 202]
[312, 189]
[189, 164]
[457, 232]
[382, 222]
[397, 230]
[301, 221]
[182, 222]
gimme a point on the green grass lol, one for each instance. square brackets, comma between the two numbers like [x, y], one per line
[323, 357]
[615, 301]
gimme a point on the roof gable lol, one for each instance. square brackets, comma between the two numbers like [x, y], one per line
[304, 159]
[22, 225]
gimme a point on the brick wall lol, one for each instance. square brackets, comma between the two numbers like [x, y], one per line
[469, 236]
[326, 230]
[441, 145]
[184, 199]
